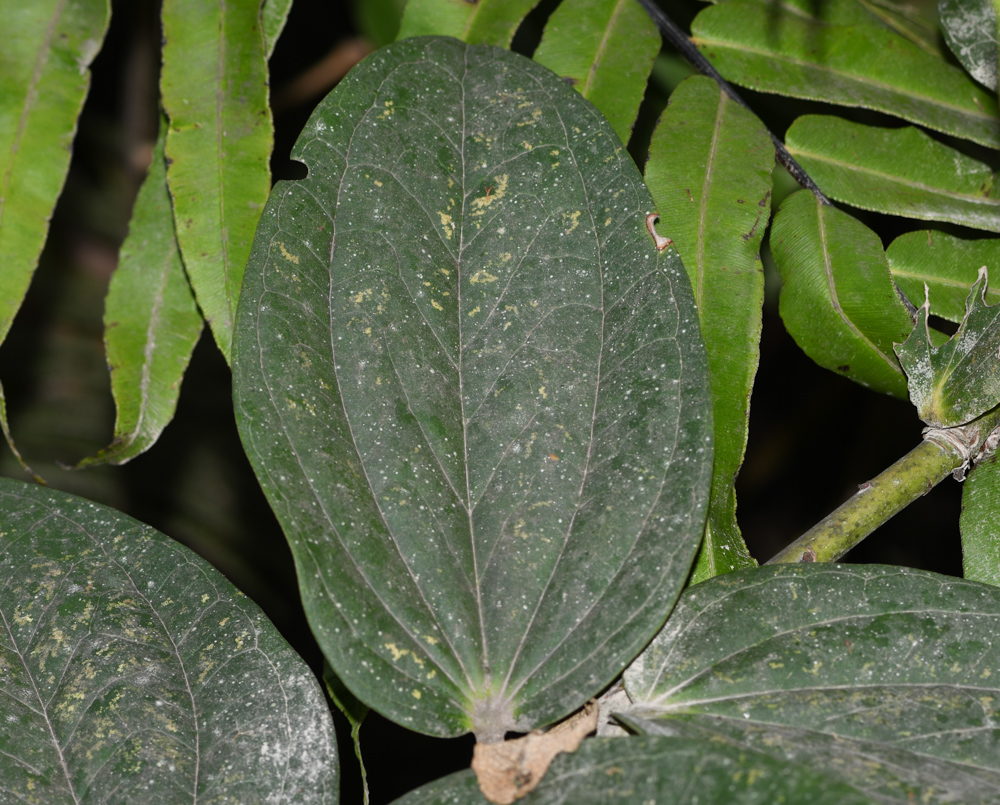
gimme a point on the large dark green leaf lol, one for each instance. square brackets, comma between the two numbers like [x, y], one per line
[665, 770]
[955, 382]
[864, 66]
[606, 48]
[947, 265]
[980, 523]
[709, 171]
[151, 322]
[895, 171]
[214, 87]
[132, 671]
[837, 299]
[473, 390]
[884, 678]
[970, 29]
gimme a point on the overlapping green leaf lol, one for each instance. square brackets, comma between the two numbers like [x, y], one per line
[849, 65]
[959, 380]
[151, 322]
[709, 171]
[883, 678]
[44, 78]
[895, 171]
[970, 29]
[980, 523]
[473, 391]
[666, 770]
[485, 22]
[273, 15]
[214, 87]
[133, 671]
[837, 299]
[606, 49]
[947, 265]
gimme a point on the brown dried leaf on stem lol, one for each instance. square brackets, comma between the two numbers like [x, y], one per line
[509, 770]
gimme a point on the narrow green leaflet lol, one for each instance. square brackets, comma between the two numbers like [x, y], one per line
[970, 29]
[895, 171]
[849, 65]
[214, 87]
[485, 22]
[903, 19]
[947, 265]
[709, 171]
[666, 770]
[44, 77]
[960, 380]
[837, 299]
[473, 390]
[151, 322]
[133, 671]
[606, 49]
[883, 678]
[980, 523]
[273, 15]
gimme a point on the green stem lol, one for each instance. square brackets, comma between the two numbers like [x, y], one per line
[942, 452]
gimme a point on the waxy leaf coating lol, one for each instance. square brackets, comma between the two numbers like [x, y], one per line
[473, 390]
[131, 670]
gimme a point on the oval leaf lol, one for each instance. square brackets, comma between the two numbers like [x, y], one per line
[605, 49]
[947, 265]
[895, 171]
[884, 678]
[980, 523]
[862, 66]
[709, 171]
[660, 769]
[151, 322]
[970, 29]
[958, 381]
[133, 671]
[214, 86]
[473, 390]
[837, 299]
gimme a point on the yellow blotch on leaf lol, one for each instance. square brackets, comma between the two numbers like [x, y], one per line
[291, 258]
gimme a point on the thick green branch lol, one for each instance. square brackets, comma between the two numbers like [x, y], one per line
[943, 452]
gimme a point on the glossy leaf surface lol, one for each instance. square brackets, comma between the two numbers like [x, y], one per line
[666, 770]
[486, 22]
[606, 49]
[837, 300]
[970, 29]
[883, 678]
[151, 322]
[895, 171]
[473, 391]
[947, 265]
[709, 171]
[980, 523]
[133, 671]
[955, 382]
[849, 65]
[214, 87]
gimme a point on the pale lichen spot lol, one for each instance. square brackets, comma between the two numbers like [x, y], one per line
[534, 303]
[447, 224]
[291, 258]
[433, 673]
[573, 218]
[378, 183]
[543, 393]
[224, 621]
[416, 694]
[526, 145]
[204, 598]
[387, 112]
[368, 330]
[445, 271]
[396, 651]
[436, 305]
[430, 640]
[483, 276]
[360, 296]
[378, 381]
[607, 222]
[519, 529]
[474, 310]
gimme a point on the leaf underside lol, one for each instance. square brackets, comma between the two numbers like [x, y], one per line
[473, 390]
[133, 671]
